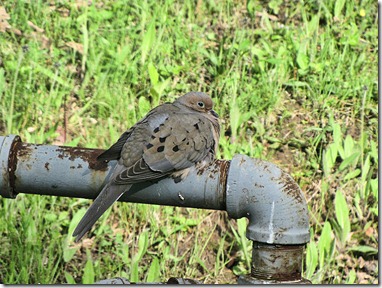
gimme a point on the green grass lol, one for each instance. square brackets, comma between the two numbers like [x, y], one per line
[295, 83]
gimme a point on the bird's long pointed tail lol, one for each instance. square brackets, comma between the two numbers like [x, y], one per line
[109, 194]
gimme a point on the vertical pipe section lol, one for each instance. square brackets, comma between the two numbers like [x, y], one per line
[278, 219]
[286, 261]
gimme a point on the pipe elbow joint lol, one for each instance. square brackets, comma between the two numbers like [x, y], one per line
[270, 199]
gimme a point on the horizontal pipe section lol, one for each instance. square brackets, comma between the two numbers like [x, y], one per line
[75, 172]
[244, 187]
[204, 188]
[58, 170]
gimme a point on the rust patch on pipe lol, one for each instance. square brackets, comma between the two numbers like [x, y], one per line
[218, 168]
[290, 187]
[12, 165]
[276, 262]
[23, 150]
[87, 155]
[224, 167]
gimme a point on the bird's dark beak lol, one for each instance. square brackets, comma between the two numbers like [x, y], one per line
[214, 113]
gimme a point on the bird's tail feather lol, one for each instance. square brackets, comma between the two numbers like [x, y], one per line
[109, 194]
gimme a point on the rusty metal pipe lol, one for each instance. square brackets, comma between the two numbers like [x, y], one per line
[75, 172]
[275, 264]
[49, 170]
[244, 187]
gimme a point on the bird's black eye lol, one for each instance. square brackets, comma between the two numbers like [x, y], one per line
[201, 104]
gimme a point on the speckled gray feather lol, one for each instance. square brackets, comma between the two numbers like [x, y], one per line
[169, 140]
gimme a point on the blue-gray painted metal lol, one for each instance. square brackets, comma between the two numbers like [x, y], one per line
[270, 199]
[199, 190]
[244, 187]
[75, 172]
[258, 190]
[50, 170]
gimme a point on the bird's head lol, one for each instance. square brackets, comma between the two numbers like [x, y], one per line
[198, 101]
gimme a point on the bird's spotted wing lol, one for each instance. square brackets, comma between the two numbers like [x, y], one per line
[178, 141]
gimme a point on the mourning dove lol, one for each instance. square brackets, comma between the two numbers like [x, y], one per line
[169, 140]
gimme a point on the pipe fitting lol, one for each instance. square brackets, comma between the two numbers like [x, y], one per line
[270, 199]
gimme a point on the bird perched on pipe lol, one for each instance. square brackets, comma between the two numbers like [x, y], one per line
[169, 140]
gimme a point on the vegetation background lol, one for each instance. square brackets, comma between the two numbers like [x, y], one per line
[295, 83]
